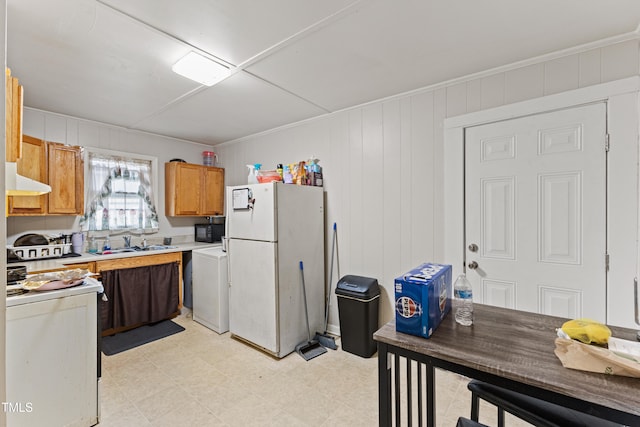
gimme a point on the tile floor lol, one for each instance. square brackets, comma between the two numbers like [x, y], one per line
[200, 378]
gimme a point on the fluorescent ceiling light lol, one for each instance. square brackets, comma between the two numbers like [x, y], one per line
[200, 69]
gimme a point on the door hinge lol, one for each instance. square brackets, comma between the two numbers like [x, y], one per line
[606, 262]
[607, 143]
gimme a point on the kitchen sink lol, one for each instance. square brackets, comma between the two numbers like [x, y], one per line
[135, 249]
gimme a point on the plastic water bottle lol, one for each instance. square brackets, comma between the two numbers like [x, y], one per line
[463, 298]
[107, 244]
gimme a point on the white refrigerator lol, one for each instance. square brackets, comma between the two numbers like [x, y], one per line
[271, 228]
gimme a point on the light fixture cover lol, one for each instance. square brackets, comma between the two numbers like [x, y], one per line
[200, 69]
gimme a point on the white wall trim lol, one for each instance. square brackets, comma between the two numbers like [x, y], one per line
[622, 99]
[574, 97]
[112, 126]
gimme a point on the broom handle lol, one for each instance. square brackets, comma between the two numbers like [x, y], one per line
[333, 247]
[304, 294]
[335, 233]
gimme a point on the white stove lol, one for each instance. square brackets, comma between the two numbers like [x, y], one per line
[35, 296]
[53, 357]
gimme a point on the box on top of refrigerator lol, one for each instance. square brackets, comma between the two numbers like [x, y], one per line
[423, 298]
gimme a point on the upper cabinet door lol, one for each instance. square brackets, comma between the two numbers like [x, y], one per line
[193, 190]
[213, 191]
[66, 169]
[13, 117]
[182, 189]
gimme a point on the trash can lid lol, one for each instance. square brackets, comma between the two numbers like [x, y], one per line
[358, 287]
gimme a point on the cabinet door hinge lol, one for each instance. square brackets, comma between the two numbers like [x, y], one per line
[607, 143]
[606, 262]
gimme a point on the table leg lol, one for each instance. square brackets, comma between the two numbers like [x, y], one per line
[384, 386]
[431, 394]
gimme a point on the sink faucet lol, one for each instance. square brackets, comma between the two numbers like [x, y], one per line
[127, 241]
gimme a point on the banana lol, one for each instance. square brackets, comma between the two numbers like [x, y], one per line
[587, 331]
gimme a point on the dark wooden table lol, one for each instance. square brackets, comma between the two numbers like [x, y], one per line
[509, 348]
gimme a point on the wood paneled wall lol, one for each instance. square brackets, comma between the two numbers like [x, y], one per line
[383, 162]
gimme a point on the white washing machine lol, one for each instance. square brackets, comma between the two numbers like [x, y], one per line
[210, 289]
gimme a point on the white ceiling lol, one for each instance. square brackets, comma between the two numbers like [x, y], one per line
[110, 60]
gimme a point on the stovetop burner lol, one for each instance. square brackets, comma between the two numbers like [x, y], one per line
[16, 291]
[14, 288]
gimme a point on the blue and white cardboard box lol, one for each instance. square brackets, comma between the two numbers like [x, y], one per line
[423, 298]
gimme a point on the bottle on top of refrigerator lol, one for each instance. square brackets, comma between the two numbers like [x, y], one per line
[286, 175]
[315, 173]
[252, 178]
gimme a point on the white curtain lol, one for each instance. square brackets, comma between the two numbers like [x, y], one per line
[119, 194]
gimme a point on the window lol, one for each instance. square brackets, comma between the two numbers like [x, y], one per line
[119, 192]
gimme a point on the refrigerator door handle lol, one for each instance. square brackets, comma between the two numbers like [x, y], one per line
[228, 263]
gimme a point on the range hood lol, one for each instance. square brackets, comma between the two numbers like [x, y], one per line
[18, 185]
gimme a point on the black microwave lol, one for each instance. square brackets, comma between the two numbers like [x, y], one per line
[209, 233]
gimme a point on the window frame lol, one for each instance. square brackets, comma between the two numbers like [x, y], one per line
[124, 155]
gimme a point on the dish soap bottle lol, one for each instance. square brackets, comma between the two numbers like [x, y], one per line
[107, 244]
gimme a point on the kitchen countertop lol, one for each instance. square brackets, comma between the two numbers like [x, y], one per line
[35, 296]
[57, 263]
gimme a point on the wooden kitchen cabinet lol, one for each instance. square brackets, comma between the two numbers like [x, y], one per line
[60, 166]
[213, 195]
[90, 266]
[139, 261]
[193, 190]
[13, 117]
[66, 178]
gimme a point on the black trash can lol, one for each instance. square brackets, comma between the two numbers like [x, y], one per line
[358, 305]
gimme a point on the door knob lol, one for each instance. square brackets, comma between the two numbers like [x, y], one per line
[472, 265]
[473, 247]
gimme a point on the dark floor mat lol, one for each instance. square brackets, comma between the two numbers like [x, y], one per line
[127, 340]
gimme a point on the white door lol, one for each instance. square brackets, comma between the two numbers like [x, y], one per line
[251, 212]
[252, 292]
[535, 212]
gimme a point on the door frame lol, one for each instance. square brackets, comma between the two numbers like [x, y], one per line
[621, 97]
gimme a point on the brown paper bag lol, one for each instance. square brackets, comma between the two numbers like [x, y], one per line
[576, 355]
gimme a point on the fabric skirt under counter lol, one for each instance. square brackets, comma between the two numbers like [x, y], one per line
[139, 295]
